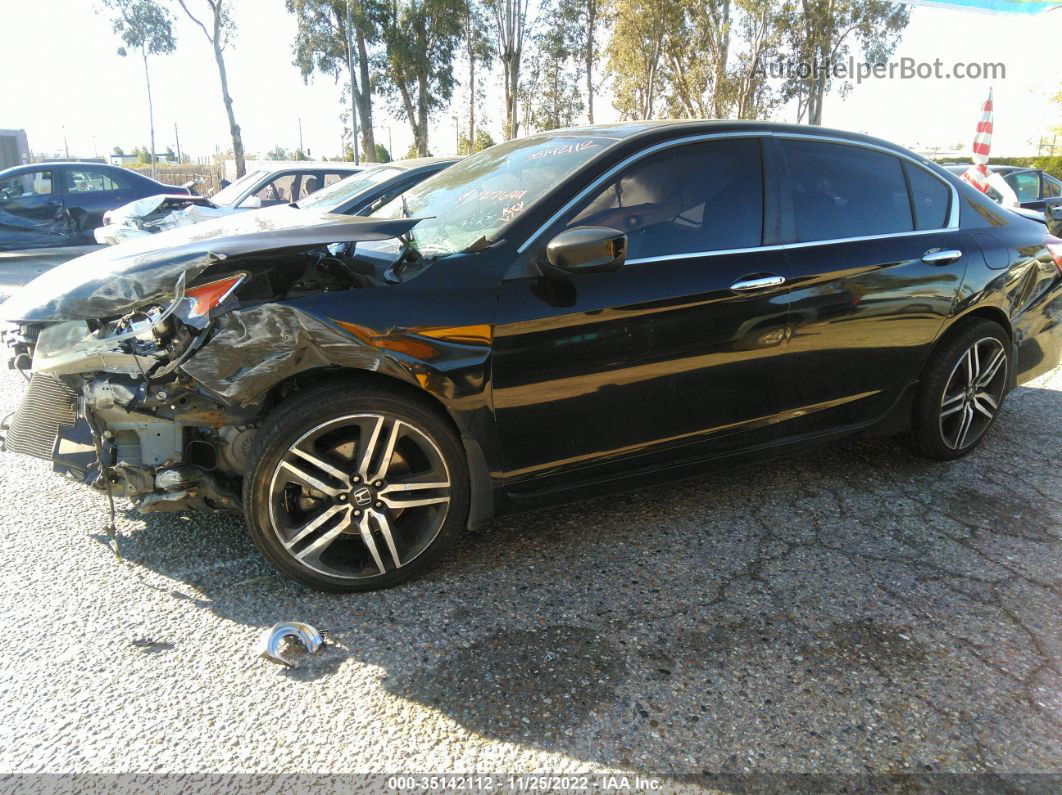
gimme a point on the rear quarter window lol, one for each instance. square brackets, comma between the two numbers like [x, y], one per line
[930, 197]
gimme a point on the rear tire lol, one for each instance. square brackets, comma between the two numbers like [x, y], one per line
[354, 487]
[962, 391]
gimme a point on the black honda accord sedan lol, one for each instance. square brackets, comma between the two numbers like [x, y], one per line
[556, 317]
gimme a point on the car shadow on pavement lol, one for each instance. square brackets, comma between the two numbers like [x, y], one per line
[855, 609]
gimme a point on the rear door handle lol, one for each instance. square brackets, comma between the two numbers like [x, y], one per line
[941, 256]
[747, 284]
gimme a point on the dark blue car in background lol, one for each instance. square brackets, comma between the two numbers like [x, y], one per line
[59, 204]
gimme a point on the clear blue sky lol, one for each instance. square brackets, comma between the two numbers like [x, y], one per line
[60, 67]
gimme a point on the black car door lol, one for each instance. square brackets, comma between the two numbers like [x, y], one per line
[31, 210]
[675, 356]
[89, 193]
[875, 267]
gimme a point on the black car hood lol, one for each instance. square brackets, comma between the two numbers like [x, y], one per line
[117, 279]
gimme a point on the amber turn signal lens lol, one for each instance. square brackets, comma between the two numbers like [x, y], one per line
[207, 296]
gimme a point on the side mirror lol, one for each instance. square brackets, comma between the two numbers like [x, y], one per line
[587, 249]
[251, 203]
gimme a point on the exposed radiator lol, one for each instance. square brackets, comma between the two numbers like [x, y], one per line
[47, 405]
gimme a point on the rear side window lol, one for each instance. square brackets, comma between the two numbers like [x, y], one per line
[844, 191]
[684, 200]
[930, 198]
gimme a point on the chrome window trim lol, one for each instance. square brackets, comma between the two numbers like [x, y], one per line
[953, 210]
[785, 246]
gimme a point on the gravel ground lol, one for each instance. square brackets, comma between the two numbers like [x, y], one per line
[852, 611]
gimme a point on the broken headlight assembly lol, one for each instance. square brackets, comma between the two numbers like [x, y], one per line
[120, 344]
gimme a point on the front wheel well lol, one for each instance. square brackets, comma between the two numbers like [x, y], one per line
[284, 389]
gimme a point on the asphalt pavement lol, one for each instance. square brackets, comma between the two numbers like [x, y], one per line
[853, 611]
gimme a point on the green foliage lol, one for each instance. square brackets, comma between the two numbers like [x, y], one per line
[321, 40]
[635, 54]
[551, 96]
[118, 151]
[1052, 165]
[420, 38]
[382, 155]
[298, 154]
[483, 141]
[818, 32]
[142, 25]
[321, 32]
[277, 153]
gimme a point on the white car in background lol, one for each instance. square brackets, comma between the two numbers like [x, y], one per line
[260, 188]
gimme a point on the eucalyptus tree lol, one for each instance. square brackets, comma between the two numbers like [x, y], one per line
[479, 52]
[146, 27]
[820, 34]
[511, 27]
[219, 29]
[420, 38]
[324, 42]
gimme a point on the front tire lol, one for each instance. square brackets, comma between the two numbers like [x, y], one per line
[353, 487]
[962, 391]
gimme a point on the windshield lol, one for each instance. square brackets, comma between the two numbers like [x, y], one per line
[228, 196]
[475, 198]
[334, 196]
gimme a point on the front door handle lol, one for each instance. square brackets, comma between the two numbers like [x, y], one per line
[762, 282]
[941, 256]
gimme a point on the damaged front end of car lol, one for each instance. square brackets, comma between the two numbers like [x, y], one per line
[149, 369]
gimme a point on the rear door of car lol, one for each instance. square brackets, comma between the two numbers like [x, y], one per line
[876, 261]
[677, 356]
[89, 192]
[31, 209]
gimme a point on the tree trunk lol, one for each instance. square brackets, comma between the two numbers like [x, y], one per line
[234, 128]
[470, 40]
[591, 21]
[422, 115]
[151, 114]
[368, 137]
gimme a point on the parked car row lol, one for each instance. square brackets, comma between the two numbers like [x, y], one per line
[1030, 192]
[564, 315]
[59, 204]
[355, 194]
[67, 204]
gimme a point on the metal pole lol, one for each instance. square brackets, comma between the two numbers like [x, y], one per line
[177, 137]
[300, 136]
[353, 98]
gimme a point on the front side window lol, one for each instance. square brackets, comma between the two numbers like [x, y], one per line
[228, 195]
[1052, 187]
[89, 180]
[841, 191]
[338, 193]
[685, 200]
[33, 183]
[474, 199]
[1026, 184]
[930, 198]
[277, 191]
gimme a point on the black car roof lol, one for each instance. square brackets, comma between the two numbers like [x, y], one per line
[630, 130]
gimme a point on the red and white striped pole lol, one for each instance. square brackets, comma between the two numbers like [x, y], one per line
[977, 174]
